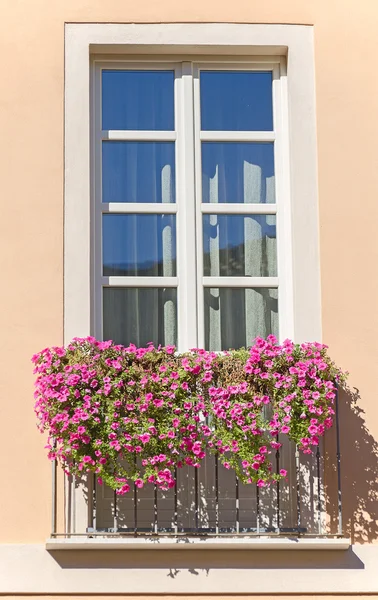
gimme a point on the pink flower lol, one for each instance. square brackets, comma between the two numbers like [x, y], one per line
[91, 382]
[123, 490]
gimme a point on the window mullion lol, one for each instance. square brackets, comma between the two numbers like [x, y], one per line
[139, 281]
[243, 282]
[139, 208]
[97, 210]
[139, 135]
[238, 209]
[237, 136]
[186, 218]
[282, 170]
[198, 208]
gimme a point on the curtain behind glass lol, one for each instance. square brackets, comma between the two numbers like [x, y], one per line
[235, 317]
[143, 316]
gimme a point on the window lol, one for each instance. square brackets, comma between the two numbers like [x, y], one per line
[255, 48]
[187, 191]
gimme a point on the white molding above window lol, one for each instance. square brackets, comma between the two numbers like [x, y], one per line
[298, 222]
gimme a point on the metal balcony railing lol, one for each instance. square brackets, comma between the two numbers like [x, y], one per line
[210, 501]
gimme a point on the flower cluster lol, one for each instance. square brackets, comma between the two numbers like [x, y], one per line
[135, 415]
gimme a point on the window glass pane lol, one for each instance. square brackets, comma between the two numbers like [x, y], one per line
[236, 101]
[235, 316]
[138, 100]
[138, 172]
[140, 315]
[143, 245]
[238, 172]
[239, 245]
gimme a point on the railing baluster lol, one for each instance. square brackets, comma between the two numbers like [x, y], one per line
[278, 486]
[319, 490]
[216, 495]
[338, 456]
[237, 504]
[115, 512]
[298, 488]
[67, 503]
[74, 504]
[135, 500]
[257, 510]
[90, 478]
[155, 510]
[176, 504]
[135, 503]
[196, 496]
[54, 492]
[94, 500]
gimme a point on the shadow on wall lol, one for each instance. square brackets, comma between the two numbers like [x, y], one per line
[196, 562]
[359, 472]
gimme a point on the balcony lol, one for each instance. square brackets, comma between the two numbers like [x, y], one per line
[209, 504]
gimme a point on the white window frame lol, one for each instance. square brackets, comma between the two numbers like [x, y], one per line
[188, 208]
[163, 41]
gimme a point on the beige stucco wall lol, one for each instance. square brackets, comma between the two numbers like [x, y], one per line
[31, 223]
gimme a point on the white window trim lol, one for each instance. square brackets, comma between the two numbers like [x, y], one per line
[189, 208]
[299, 228]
